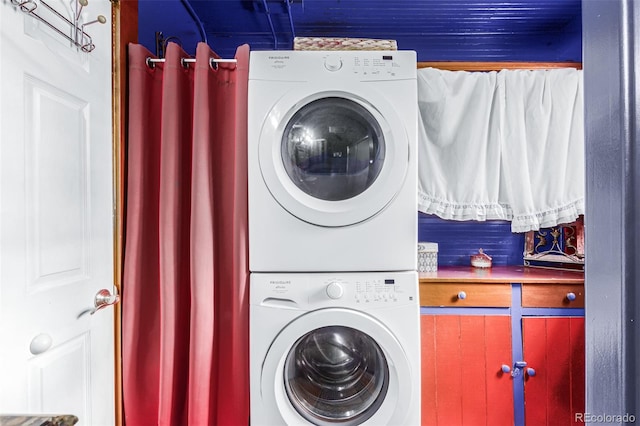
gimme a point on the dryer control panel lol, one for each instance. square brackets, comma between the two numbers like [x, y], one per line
[326, 66]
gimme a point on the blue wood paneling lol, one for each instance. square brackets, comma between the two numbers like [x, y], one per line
[458, 240]
[438, 30]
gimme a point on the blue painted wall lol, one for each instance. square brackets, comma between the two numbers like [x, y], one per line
[442, 30]
[458, 240]
[172, 19]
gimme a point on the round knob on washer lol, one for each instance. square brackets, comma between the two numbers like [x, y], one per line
[334, 290]
[332, 63]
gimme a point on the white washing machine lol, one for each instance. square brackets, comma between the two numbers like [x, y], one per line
[332, 161]
[335, 349]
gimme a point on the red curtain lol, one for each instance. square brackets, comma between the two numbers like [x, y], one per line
[185, 309]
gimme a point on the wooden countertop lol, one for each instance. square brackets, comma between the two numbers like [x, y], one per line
[502, 274]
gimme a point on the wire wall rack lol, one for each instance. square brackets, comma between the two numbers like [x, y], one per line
[72, 29]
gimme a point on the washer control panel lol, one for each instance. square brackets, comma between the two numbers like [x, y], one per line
[376, 290]
[366, 290]
[342, 289]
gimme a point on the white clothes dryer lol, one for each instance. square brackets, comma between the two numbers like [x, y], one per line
[334, 349]
[332, 140]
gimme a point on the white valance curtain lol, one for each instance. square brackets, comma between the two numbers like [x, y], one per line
[501, 145]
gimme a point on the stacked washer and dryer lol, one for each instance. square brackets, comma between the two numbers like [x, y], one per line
[334, 310]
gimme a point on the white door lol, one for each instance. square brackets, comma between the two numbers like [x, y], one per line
[56, 216]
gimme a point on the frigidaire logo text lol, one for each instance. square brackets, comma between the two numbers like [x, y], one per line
[280, 282]
[278, 57]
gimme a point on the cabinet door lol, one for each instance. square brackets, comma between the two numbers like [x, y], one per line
[554, 348]
[462, 379]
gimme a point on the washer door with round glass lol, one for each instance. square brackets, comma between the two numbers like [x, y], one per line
[337, 367]
[333, 158]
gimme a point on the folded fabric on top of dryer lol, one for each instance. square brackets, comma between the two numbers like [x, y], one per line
[342, 43]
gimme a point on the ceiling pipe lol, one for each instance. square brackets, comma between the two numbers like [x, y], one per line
[293, 31]
[273, 31]
[198, 22]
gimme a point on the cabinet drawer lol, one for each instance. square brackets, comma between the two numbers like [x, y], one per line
[553, 295]
[465, 294]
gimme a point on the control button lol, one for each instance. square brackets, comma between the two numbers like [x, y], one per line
[334, 290]
[333, 63]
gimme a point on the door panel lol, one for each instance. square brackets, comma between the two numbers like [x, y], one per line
[56, 223]
[462, 380]
[57, 197]
[48, 371]
[554, 348]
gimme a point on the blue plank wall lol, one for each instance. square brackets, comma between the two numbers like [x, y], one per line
[458, 240]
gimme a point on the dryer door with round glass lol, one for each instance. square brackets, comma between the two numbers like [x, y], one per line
[337, 367]
[335, 158]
